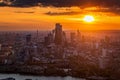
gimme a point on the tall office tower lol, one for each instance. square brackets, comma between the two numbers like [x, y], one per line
[64, 39]
[107, 41]
[37, 36]
[18, 41]
[72, 36]
[0, 47]
[28, 38]
[50, 35]
[78, 35]
[46, 41]
[18, 45]
[58, 34]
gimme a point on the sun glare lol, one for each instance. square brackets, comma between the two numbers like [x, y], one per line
[88, 18]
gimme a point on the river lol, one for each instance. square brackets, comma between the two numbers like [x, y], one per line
[23, 77]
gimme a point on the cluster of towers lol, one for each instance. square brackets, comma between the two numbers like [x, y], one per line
[57, 36]
[29, 47]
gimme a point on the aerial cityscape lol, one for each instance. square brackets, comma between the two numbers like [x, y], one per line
[59, 39]
[60, 53]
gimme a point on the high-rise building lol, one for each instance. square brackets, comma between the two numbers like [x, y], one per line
[0, 47]
[58, 34]
[72, 36]
[18, 42]
[64, 39]
[28, 38]
[78, 35]
[50, 35]
[48, 39]
[37, 36]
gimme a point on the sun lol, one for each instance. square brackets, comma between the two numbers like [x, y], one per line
[88, 18]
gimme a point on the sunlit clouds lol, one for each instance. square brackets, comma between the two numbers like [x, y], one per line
[44, 18]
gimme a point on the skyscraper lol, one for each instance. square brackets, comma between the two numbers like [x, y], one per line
[28, 38]
[78, 35]
[0, 47]
[58, 34]
[46, 40]
[72, 36]
[37, 36]
[18, 42]
[64, 39]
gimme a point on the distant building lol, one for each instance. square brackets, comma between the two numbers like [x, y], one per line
[21, 56]
[58, 34]
[78, 35]
[37, 36]
[64, 39]
[0, 47]
[72, 36]
[103, 60]
[18, 42]
[48, 39]
[28, 38]
[50, 36]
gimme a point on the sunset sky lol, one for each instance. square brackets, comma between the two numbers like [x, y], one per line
[43, 14]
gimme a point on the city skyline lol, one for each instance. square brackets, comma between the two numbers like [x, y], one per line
[65, 39]
[42, 15]
[88, 55]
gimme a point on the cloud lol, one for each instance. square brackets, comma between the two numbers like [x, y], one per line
[24, 12]
[113, 5]
[62, 13]
[2, 4]
[114, 10]
[19, 3]
[81, 3]
[64, 3]
[24, 3]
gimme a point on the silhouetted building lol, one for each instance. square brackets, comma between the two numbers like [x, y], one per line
[64, 39]
[46, 41]
[78, 35]
[28, 38]
[0, 47]
[72, 36]
[107, 41]
[37, 36]
[50, 35]
[18, 41]
[58, 34]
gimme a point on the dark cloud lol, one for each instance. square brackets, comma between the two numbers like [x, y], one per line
[65, 3]
[113, 5]
[114, 10]
[24, 3]
[62, 13]
[81, 3]
[19, 3]
[24, 12]
[2, 4]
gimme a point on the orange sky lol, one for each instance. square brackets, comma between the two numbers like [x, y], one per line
[34, 18]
